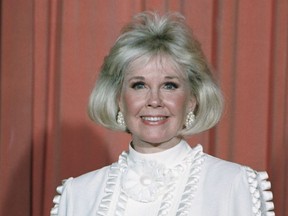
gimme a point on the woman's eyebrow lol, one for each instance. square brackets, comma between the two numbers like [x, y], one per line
[172, 77]
[136, 78]
[143, 78]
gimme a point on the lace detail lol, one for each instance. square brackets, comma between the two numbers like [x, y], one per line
[56, 199]
[145, 181]
[193, 163]
[261, 198]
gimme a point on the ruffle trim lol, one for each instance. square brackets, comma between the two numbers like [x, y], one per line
[192, 183]
[194, 164]
[109, 189]
[112, 180]
[261, 197]
[56, 199]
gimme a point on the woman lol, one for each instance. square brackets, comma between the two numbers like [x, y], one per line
[156, 85]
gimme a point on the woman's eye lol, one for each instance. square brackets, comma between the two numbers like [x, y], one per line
[170, 85]
[138, 85]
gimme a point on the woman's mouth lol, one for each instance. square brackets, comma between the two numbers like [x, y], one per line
[153, 119]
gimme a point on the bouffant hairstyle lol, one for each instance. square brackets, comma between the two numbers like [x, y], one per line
[150, 35]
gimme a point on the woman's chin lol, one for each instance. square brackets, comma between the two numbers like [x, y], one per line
[157, 142]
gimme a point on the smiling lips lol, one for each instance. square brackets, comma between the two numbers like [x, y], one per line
[154, 119]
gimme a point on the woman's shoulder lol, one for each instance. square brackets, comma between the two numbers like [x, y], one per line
[91, 180]
[225, 173]
[217, 164]
[228, 175]
[83, 186]
[221, 166]
[92, 176]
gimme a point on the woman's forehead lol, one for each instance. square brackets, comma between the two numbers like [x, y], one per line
[162, 63]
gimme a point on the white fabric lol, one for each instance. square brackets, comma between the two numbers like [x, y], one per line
[214, 187]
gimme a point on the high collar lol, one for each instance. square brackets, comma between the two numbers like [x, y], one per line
[169, 157]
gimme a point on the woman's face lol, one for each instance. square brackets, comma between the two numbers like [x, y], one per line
[155, 99]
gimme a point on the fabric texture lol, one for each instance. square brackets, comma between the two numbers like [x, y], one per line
[179, 181]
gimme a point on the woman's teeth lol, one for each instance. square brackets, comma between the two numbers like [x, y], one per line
[154, 119]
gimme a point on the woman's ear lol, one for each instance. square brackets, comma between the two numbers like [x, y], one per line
[192, 104]
[120, 102]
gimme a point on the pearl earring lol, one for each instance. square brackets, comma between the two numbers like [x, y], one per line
[120, 119]
[190, 120]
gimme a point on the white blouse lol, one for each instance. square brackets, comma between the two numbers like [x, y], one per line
[179, 181]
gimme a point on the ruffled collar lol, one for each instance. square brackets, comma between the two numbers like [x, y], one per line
[147, 177]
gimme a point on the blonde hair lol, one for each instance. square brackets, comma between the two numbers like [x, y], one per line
[148, 35]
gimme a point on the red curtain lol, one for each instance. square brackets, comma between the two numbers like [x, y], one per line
[51, 51]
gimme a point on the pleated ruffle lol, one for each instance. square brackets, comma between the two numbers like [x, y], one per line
[54, 211]
[261, 196]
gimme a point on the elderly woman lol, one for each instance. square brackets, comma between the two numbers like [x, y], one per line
[155, 84]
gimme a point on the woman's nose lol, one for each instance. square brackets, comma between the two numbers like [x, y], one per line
[154, 99]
